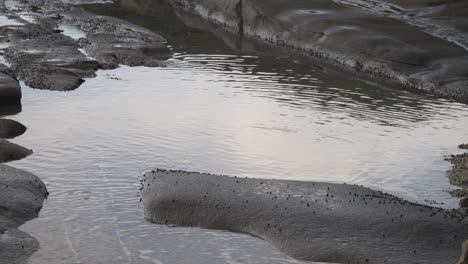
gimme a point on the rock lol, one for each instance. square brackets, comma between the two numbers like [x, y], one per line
[49, 60]
[463, 146]
[464, 257]
[21, 198]
[10, 90]
[10, 128]
[459, 193]
[464, 202]
[312, 221]
[10, 151]
[10, 107]
[458, 175]
[113, 41]
[364, 42]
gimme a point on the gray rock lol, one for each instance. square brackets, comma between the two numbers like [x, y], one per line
[312, 221]
[10, 128]
[9, 107]
[10, 90]
[21, 198]
[113, 41]
[10, 151]
[381, 47]
[49, 60]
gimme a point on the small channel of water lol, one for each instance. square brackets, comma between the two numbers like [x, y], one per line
[222, 109]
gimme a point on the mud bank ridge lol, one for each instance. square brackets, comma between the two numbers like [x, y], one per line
[418, 45]
[312, 221]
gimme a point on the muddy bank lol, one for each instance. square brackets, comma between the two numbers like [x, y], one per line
[308, 221]
[21, 198]
[364, 42]
[43, 56]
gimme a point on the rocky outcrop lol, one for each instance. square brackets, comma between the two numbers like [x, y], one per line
[10, 90]
[10, 128]
[50, 61]
[44, 58]
[312, 221]
[112, 41]
[21, 198]
[458, 176]
[385, 48]
[10, 151]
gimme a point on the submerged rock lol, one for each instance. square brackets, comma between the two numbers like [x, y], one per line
[10, 151]
[312, 221]
[21, 198]
[10, 128]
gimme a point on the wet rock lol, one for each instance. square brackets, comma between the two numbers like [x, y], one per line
[10, 151]
[463, 146]
[312, 221]
[10, 128]
[10, 90]
[9, 107]
[367, 43]
[458, 175]
[21, 198]
[464, 257]
[113, 41]
[464, 202]
[46, 59]
[49, 60]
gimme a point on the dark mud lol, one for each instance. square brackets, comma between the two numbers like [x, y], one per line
[309, 221]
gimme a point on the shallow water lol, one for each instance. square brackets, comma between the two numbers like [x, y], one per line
[224, 110]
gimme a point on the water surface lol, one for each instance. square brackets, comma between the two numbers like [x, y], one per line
[223, 109]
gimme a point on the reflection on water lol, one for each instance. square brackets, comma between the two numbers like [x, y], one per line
[226, 112]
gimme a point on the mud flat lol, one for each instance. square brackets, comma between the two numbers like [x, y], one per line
[361, 40]
[312, 221]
